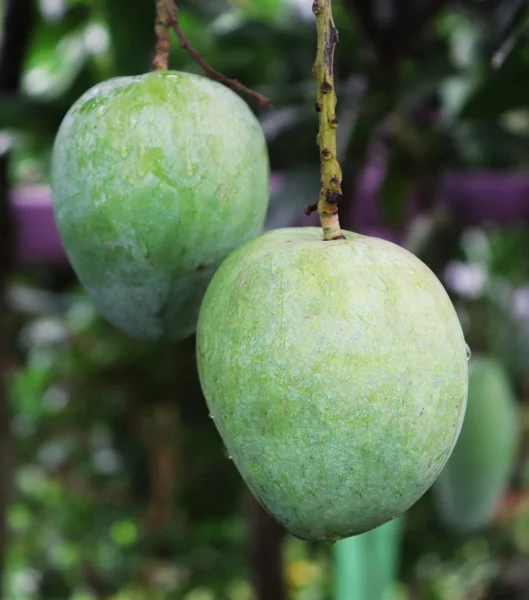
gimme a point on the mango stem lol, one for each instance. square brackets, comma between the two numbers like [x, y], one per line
[162, 29]
[330, 171]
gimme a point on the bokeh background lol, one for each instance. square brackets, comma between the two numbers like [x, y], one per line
[114, 484]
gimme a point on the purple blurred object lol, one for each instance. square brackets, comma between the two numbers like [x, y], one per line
[37, 240]
[366, 217]
[480, 197]
[473, 198]
[366, 212]
[276, 181]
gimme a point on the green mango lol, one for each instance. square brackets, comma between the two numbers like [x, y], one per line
[336, 374]
[155, 179]
[478, 472]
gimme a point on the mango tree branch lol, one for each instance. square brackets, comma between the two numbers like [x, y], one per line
[168, 10]
[331, 173]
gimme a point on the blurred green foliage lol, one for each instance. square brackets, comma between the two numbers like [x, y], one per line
[122, 488]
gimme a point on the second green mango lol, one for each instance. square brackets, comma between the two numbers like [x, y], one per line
[470, 486]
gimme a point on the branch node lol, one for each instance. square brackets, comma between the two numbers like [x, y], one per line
[326, 87]
[332, 196]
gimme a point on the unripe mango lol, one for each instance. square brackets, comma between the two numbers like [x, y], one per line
[155, 179]
[470, 487]
[336, 374]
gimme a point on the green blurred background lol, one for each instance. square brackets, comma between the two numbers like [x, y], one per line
[118, 485]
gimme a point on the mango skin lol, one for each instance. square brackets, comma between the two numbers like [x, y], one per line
[155, 179]
[336, 374]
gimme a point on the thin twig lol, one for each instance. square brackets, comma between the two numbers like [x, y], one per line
[172, 16]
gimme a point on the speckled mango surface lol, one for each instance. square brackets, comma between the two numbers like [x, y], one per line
[155, 179]
[336, 374]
